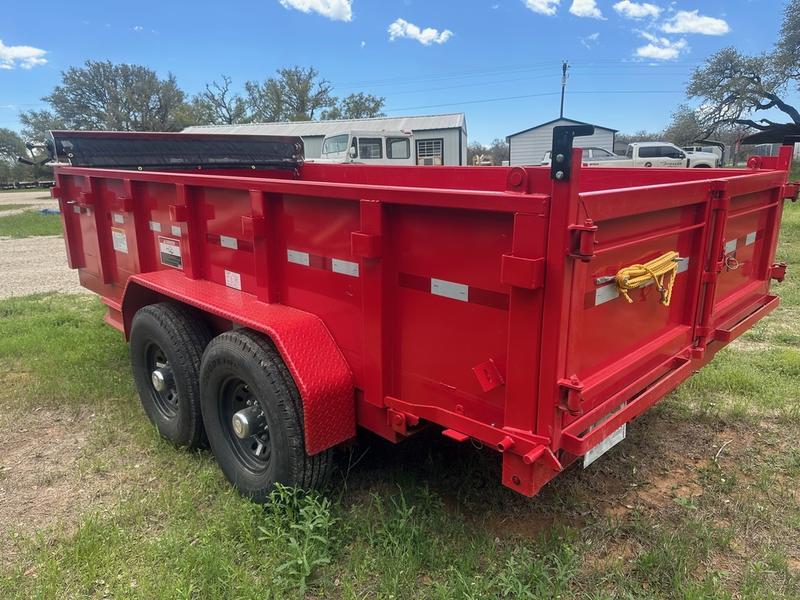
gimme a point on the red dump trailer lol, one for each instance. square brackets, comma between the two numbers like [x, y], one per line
[273, 306]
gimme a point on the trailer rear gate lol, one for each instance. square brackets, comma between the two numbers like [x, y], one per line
[484, 301]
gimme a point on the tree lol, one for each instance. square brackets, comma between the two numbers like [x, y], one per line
[496, 152]
[734, 87]
[102, 95]
[356, 106]
[36, 124]
[218, 105]
[685, 127]
[296, 94]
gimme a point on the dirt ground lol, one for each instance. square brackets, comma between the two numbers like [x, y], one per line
[37, 264]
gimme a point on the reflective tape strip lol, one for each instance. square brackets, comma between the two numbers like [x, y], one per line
[119, 218]
[751, 238]
[345, 267]
[228, 242]
[155, 226]
[454, 291]
[298, 258]
[449, 289]
[731, 246]
[176, 230]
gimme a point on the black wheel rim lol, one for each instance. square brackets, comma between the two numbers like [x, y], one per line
[166, 400]
[253, 452]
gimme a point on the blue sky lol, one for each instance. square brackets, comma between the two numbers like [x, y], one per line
[496, 60]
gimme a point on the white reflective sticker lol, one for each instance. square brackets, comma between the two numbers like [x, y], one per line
[76, 209]
[750, 239]
[176, 230]
[119, 240]
[606, 293]
[298, 258]
[448, 289]
[228, 242]
[612, 440]
[730, 246]
[233, 280]
[118, 218]
[345, 267]
[155, 226]
[683, 265]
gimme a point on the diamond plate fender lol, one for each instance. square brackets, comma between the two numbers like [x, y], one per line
[318, 367]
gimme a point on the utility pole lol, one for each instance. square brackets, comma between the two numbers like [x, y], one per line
[564, 68]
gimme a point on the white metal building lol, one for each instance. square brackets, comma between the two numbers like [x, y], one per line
[527, 147]
[438, 139]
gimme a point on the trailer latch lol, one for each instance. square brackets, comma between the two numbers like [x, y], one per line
[522, 272]
[583, 240]
[561, 152]
[572, 391]
[778, 271]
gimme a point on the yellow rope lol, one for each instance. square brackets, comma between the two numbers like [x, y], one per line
[660, 271]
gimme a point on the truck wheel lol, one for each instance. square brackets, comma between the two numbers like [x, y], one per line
[166, 346]
[254, 417]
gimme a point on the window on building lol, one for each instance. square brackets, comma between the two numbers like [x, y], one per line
[398, 148]
[370, 148]
[430, 152]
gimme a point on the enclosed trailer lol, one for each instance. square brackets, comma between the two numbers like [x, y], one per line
[275, 305]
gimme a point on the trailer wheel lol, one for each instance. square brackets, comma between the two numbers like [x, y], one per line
[254, 417]
[166, 347]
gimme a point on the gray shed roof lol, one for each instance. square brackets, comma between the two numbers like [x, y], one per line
[510, 135]
[322, 128]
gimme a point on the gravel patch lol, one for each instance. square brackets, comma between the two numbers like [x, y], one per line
[35, 265]
[35, 200]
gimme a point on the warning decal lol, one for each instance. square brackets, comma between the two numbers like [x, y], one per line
[119, 240]
[170, 251]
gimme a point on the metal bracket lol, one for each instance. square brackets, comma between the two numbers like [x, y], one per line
[522, 272]
[573, 388]
[584, 240]
[561, 153]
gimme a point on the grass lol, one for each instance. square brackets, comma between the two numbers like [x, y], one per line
[29, 224]
[4, 207]
[700, 502]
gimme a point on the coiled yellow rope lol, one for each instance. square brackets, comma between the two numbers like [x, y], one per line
[660, 271]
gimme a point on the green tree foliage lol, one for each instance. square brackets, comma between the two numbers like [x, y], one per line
[496, 152]
[356, 106]
[294, 94]
[734, 87]
[102, 95]
[218, 104]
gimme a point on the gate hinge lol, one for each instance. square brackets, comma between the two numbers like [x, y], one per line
[790, 191]
[778, 271]
[583, 240]
[572, 390]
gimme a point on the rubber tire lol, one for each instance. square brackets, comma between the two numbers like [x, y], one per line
[183, 337]
[253, 358]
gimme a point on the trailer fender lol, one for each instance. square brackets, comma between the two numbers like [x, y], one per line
[319, 369]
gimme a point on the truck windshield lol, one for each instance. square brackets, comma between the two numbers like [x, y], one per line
[335, 144]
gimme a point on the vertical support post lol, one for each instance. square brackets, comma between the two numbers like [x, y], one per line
[559, 272]
[720, 203]
[260, 227]
[93, 197]
[192, 232]
[72, 230]
[368, 244]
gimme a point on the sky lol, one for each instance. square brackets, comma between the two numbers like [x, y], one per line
[498, 61]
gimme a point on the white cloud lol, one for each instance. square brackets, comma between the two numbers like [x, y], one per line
[661, 48]
[590, 40]
[403, 29]
[24, 57]
[586, 8]
[336, 10]
[138, 28]
[689, 21]
[637, 10]
[363, 43]
[544, 7]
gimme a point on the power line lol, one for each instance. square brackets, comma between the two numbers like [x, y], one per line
[486, 100]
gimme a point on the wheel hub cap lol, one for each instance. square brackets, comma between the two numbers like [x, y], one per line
[161, 379]
[247, 422]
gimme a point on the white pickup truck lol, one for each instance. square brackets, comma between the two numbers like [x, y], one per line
[658, 155]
